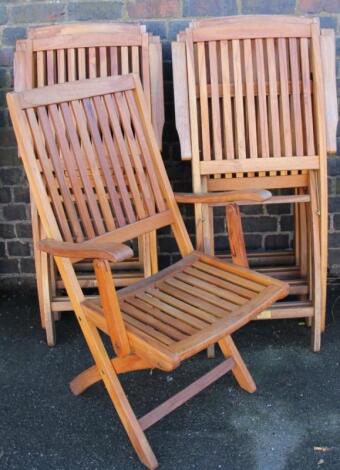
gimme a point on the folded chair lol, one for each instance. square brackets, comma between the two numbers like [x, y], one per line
[250, 113]
[62, 53]
[98, 180]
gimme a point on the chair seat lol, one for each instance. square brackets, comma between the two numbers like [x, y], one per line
[192, 304]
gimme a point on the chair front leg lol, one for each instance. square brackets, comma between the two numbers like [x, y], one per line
[240, 370]
[117, 395]
[236, 236]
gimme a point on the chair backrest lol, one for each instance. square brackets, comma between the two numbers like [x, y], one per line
[328, 56]
[62, 53]
[255, 94]
[92, 161]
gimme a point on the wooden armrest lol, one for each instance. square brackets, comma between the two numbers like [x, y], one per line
[114, 252]
[257, 195]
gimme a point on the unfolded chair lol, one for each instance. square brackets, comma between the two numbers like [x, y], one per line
[250, 113]
[98, 180]
[69, 52]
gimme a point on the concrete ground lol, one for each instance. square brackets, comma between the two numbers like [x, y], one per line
[291, 422]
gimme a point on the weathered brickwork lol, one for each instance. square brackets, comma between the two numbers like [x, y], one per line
[268, 227]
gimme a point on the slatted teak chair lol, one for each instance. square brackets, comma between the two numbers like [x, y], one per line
[68, 52]
[89, 151]
[250, 113]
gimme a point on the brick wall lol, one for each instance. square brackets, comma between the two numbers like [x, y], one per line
[267, 227]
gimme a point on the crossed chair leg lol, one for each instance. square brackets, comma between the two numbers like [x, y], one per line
[108, 371]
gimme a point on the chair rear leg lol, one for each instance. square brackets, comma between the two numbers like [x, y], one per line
[316, 265]
[118, 397]
[240, 370]
[43, 279]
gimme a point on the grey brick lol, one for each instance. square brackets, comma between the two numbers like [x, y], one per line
[5, 195]
[272, 7]
[12, 176]
[42, 12]
[336, 221]
[175, 27]
[253, 241]
[27, 266]
[12, 34]
[328, 21]
[9, 157]
[277, 241]
[334, 204]
[24, 230]
[6, 56]
[278, 209]
[21, 194]
[17, 248]
[9, 266]
[90, 11]
[287, 223]
[157, 28]
[209, 8]
[14, 212]
[3, 14]
[252, 209]
[7, 231]
[259, 224]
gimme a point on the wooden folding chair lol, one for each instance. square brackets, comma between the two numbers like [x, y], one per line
[250, 113]
[98, 180]
[68, 52]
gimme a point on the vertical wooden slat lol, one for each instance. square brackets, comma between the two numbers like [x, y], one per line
[103, 62]
[203, 91]
[307, 98]
[81, 63]
[296, 114]
[273, 99]
[284, 100]
[124, 51]
[92, 62]
[227, 111]
[250, 100]
[146, 69]
[114, 60]
[71, 65]
[51, 75]
[239, 111]
[262, 101]
[61, 66]
[40, 69]
[156, 87]
[135, 59]
[215, 101]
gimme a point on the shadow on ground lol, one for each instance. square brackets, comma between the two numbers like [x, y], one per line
[291, 422]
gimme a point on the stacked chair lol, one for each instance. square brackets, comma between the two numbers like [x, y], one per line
[98, 180]
[65, 53]
[250, 113]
